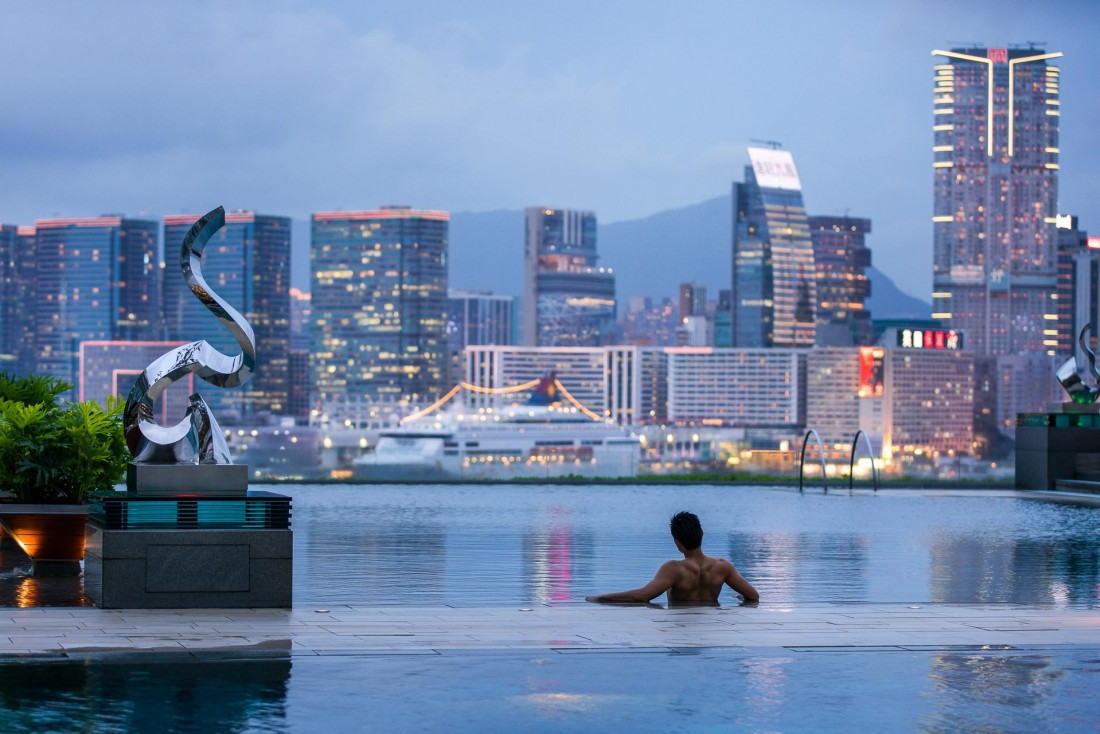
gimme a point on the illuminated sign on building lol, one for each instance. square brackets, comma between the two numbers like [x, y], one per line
[998, 55]
[774, 169]
[1063, 221]
[949, 339]
[1093, 243]
[870, 371]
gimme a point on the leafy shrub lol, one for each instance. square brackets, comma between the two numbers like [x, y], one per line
[55, 451]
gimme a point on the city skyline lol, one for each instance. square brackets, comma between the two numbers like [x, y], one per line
[624, 123]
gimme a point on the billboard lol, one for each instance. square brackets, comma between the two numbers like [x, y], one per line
[774, 169]
[870, 371]
[943, 339]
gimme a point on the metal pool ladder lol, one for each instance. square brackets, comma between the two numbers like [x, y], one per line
[851, 460]
[820, 454]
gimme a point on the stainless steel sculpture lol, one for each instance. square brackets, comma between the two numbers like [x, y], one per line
[196, 439]
[1074, 371]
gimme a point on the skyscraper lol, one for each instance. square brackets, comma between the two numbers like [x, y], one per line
[246, 262]
[97, 279]
[568, 299]
[476, 318]
[378, 302]
[1078, 289]
[17, 287]
[774, 287]
[841, 258]
[995, 165]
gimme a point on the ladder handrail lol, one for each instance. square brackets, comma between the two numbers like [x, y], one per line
[852, 459]
[821, 455]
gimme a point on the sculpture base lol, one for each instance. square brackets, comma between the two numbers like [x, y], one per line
[205, 480]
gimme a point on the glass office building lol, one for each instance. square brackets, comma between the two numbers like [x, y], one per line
[774, 285]
[17, 287]
[841, 259]
[247, 263]
[97, 279]
[995, 163]
[569, 300]
[378, 305]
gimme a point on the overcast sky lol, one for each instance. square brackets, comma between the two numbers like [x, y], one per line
[625, 108]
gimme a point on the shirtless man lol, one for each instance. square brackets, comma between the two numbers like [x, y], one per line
[697, 578]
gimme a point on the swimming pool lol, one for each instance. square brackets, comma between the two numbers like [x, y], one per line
[690, 691]
[479, 546]
[487, 545]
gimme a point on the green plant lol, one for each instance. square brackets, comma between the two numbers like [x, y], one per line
[53, 450]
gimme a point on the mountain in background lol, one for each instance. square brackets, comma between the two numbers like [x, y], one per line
[650, 256]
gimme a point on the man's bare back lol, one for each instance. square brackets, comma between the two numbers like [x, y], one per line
[696, 578]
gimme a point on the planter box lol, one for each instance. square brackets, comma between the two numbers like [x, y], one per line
[52, 535]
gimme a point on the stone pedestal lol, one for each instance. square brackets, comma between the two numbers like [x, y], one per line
[1056, 446]
[176, 569]
[188, 550]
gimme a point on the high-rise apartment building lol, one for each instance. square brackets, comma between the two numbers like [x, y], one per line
[995, 162]
[378, 305]
[246, 262]
[774, 285]
[569, 300]
[841, 259]
[97, 279]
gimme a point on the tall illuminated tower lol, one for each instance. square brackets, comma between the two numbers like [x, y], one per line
[247, 263]
[774, 286]
[995, 152]
[379, 305]
[569, 300]
[96, 280]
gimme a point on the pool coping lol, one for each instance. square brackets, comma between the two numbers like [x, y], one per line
[69, 633]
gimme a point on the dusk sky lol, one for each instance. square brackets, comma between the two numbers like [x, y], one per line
[625, 108]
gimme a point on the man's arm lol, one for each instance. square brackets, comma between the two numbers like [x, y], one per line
[662, 582]
[738, 583]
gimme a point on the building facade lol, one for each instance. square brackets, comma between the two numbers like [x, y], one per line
[995, 164]
[17, 289]
[602, 379]
[841, 259]
[110, 368]
[97, 279]
[774, 284]
[744, 388]
[246, 262]
[378, 305]
[1078, 289]
[476, 318]
[569, 300]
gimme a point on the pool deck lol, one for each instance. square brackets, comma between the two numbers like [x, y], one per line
[81, 632]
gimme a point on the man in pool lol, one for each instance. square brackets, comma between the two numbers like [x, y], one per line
[696, 579]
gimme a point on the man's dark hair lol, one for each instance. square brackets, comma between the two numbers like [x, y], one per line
[685, 528]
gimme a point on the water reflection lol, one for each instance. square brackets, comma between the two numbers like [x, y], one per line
[19, 589]
[557, 561]
[381, 558]
[177, 696]
[976, 569]
[990, 692]
[803, 566]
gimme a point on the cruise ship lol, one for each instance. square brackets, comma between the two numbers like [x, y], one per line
[543, 438]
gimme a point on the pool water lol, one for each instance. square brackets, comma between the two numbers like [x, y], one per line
[689, 691]
[522, 545]
[509, 545]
